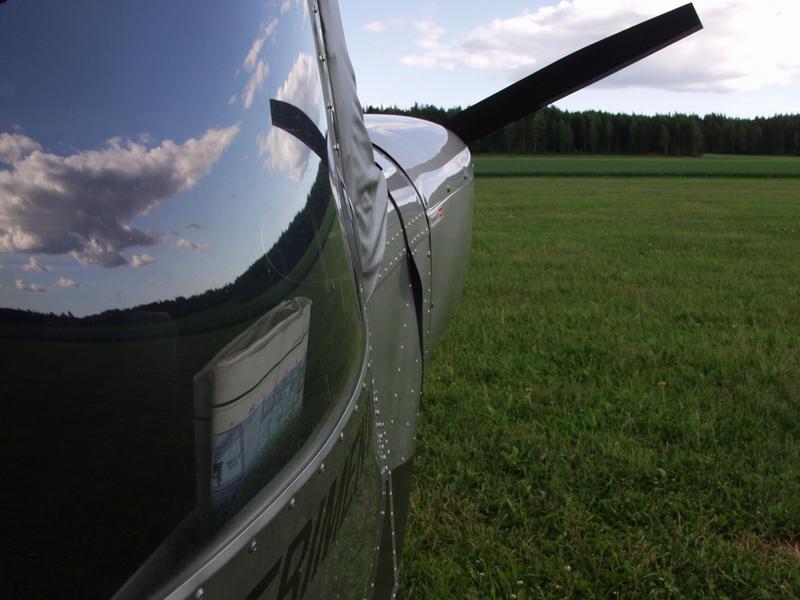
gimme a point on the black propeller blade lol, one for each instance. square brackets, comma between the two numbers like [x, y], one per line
[574, 72]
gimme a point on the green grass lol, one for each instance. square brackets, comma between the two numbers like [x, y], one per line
[614, 411]
[711, 165]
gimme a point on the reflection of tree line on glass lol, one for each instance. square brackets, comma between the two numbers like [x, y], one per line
[295, 244]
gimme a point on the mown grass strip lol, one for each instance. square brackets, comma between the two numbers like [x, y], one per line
[747, 167]
[613, 411]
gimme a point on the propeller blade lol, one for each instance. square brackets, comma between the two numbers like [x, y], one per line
[574, 72]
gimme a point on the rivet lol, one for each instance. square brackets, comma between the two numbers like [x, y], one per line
[341, 436]
[292, 504]
[322, 468]
[253, 546]
[199, 594]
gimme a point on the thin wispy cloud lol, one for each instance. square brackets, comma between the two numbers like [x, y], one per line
[141, 260]
[83, 204]
[383, 26]
[255, 83]
[256, 65]
[194, 227]
[65, 282]
[286, 6]
[28, 287]
[732, 53]
[187, 245]
[33, 264]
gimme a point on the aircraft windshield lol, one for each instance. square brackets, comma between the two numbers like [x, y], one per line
[179, 322]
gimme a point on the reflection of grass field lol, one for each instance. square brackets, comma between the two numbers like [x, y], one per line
[710, 165]
[615, 410]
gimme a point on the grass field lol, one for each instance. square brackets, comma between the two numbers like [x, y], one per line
[614, 411]
[710, 165]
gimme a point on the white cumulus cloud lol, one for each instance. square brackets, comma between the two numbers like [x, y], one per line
[65, 282]
[744, 46]
[82, 204]
[302, 89]
[33, 264]
[13, 146]
[28, 287]
[141, 260]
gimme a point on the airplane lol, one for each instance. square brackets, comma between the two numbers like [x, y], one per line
[221, 284]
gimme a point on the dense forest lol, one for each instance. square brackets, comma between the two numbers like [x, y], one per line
[593, 132]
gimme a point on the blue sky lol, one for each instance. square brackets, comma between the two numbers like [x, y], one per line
[746, 62]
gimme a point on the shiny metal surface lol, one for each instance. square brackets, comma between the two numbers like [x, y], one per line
[451, 238]
[440, 167]
[436, 160]
[399, 318]
[179, 324]
[393, 317]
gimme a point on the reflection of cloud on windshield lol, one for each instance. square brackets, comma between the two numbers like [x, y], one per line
[14, 146]
[82, 204]
[182, 243]
[286, 6]
[257, 79]
[65, 282]
[33, 264]
[257, 66]
[302, 89]
[28, 287]
[141, 260]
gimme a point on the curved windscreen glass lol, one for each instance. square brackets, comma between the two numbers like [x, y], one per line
[179, 324]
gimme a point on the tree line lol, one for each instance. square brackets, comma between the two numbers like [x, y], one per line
[552, 130]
